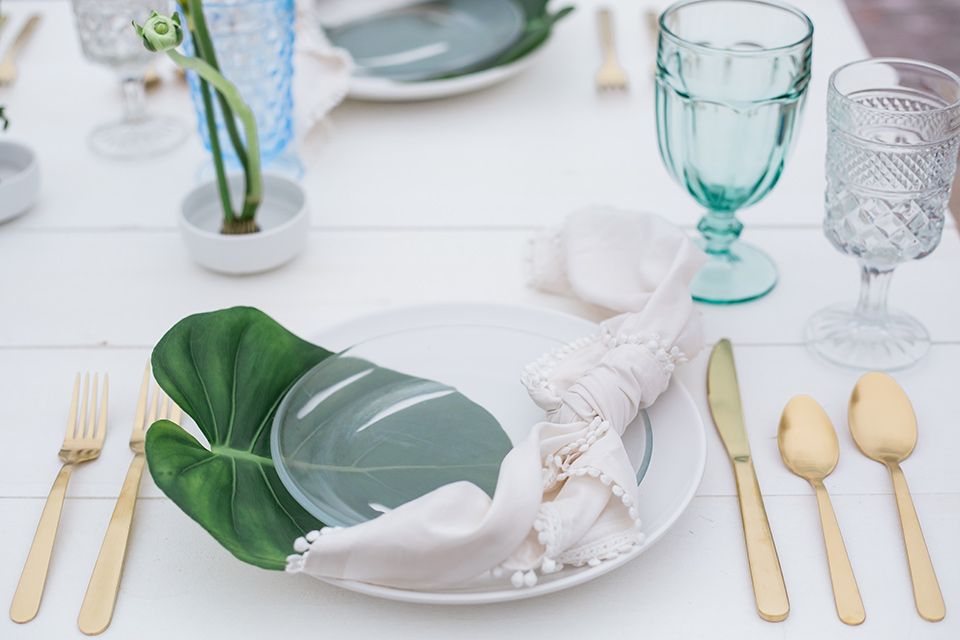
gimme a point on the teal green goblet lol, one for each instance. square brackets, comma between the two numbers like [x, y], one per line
[731, 79]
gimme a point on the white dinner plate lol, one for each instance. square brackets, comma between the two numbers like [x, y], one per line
[671, 481]
[373, 89]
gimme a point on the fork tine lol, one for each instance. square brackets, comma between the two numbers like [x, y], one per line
[82, 416]
[91, 423]
[175, 413]
[72, 420]
[164, 406]
[102, 424]
[142, 402]
[153, 406]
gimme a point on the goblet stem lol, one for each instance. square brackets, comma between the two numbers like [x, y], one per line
[134, 98]
[720, 229]
[874, 287]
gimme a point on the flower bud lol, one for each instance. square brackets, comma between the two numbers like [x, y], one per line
[160, 33]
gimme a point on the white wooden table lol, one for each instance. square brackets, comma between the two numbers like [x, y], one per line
[432, 202]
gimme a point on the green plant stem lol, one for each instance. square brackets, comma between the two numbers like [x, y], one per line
[254, 190]
[206, 51]
[223, 187]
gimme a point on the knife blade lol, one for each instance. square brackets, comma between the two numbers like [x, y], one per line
[723, 394]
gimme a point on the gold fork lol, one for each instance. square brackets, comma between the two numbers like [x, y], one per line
[83, 441]
[611, 75]
[98, 604]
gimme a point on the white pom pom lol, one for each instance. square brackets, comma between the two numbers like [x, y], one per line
[517, 579]
[605, 479]
[530, 578]
[497, 572]
[312, 536]
[617, 490]
[594, 472]
[594, 562]
[300, 545]
[548, 565]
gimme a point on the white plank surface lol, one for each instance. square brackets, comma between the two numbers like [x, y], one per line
[427, 203]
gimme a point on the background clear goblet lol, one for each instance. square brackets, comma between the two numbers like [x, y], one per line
[108, 38]
[731, 80]
[892, 141]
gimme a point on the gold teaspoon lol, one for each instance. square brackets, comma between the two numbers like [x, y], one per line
[884, 426]
[809, 448]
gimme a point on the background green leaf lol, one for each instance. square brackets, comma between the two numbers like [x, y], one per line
[228, 370]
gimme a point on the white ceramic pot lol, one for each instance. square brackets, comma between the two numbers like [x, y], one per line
[19, 179]
[283, 217]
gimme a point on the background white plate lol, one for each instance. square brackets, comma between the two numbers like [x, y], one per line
[679, 445]
[384, 90]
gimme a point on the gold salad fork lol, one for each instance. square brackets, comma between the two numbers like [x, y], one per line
[611, 75]
[83, 441]
[98, 604]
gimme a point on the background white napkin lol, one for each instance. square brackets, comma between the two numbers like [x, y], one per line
[321, 77]
[567, 493]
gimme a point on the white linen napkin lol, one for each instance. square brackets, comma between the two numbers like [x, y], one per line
[322, 72]
[567, 493]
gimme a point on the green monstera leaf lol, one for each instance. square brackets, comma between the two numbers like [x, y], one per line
[230, 369]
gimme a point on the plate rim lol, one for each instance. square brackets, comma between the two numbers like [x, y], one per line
[369, 89]
[467, 6]
[468, 313]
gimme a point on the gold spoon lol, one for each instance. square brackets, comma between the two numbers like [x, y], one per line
[808, 446]
[884, 426]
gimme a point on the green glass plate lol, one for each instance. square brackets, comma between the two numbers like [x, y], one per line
[432, 39]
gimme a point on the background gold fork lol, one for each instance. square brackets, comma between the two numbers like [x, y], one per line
[98, 604]
[83, 441]
[611, 75]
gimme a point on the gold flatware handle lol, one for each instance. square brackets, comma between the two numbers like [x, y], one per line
[25, 32]
[846, 594]
[768, 586]
[26, 600]
[98, 604]
[926, 589]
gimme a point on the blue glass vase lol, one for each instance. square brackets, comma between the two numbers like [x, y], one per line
[253, 40]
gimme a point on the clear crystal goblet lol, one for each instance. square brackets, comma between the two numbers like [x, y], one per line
[892, 141]
[107, 37]
[731, 81]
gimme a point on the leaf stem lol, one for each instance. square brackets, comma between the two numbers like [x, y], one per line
[205, 71]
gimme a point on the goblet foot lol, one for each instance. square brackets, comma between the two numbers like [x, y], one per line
[841, 335]
[138, 138]
[743, 273]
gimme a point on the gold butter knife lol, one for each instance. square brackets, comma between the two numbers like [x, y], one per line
[723, 394]
[8, 67]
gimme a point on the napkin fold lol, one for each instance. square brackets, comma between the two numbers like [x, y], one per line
[567, 493]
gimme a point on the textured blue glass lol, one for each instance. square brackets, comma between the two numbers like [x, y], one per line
[253, 40]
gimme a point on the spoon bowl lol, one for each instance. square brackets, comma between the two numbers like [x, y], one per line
[808, 443]
[882, 421]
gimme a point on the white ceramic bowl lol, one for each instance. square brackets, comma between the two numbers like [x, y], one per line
[283, 218]
[19, 179]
